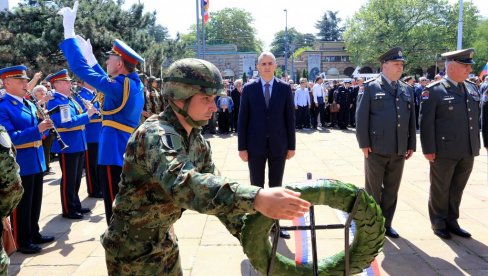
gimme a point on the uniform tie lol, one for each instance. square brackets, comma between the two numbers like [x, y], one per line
[394, 85]
[267, 94]
[461, 87]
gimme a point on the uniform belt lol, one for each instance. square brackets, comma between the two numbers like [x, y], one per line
[95, 120]
[35, 144]
[62, 129]
[118, 126]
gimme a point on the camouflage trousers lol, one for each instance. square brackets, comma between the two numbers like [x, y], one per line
[4, 260]
[140, 251]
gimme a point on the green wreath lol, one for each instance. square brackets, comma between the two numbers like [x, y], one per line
[367, 243]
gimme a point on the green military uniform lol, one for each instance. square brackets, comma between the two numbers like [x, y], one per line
[165, 172]
[449, 127]
[10, 187]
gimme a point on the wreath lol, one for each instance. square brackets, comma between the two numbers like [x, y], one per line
[367, 243]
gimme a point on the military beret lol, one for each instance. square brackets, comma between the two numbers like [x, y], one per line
[464, 56]
[395, 53]
[125, 52]
[16, 72]
[58, 76]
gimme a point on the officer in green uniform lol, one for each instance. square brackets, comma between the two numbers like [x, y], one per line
[449, 133]
[10, 188]
[385, 130]
[168, 168]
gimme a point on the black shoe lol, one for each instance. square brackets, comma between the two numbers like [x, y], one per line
[442, 233]
[284, 234]
[390, 232]
[75, 215]
[42, 239]
[99, 195]
[29, 249]
[84, 210]
[459, 232]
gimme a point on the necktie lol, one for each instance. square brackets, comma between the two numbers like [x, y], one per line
[267, 94]
[461, 88]
[394, 85]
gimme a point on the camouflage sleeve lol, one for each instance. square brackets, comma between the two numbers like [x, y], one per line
[209, 166]
[10, 184]
[191, 189]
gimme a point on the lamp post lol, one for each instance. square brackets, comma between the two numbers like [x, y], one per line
[286, 42]
[292, 61]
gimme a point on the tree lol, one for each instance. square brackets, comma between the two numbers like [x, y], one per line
[36, 44]
[305, 73]
[232, 26]
[244, 78]
[294, 37]
[422, 28]
[480, 44]
[297, 77]
[329, 27]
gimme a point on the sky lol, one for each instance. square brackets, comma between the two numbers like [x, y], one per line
[269, 16]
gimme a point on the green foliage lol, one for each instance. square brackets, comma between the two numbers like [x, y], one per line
[300, 51]
[480, 44]
[305, 73]
[297, 76]
[422, 28]
[244, 78]
[294, 37]
[232, 26]
[36, 44]
[329, 27]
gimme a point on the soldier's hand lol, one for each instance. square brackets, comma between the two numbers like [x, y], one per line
[45, 125]
[243, 155]
[91, 111]
[290, 154]
[69, 17]
[366, 151]
[280, 203]
[408, 154]
[430, 157]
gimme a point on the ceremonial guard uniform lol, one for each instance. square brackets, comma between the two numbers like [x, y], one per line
[10, 188]
[19, 118]
[70, 122]
[121, 110]
[92, 134]
[450, 136]
[385, 126]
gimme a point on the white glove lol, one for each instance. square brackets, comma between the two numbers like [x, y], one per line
[86, 50]
[69, 17]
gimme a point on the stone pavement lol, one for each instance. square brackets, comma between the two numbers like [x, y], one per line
[208, 249]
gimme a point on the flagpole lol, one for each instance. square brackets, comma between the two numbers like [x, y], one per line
[460, 27]
[198, 29]
[203, 31]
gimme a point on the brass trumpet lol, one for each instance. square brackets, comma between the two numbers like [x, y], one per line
[45, 116]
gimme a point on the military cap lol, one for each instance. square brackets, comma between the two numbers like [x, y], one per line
[16, 72]
[348, 81]
[151, 79]
[190, 76]
[125, 52]
[464, 56]
[58, 76]
[395, 53]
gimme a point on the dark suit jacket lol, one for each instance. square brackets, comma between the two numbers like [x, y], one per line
[258, 123]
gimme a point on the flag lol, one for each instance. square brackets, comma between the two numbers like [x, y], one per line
[484, 72]
[205, 4]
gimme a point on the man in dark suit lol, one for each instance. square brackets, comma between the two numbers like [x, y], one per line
[450, 137]
[266, 125]
[385, 130]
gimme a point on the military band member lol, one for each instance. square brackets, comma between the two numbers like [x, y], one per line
[10, 189]
[123, 99]
[168, 167]
[70, 121]
[385, 130]
[449, 132]
[19, 118]
[92, 134]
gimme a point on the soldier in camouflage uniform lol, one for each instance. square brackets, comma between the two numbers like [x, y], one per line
[168, 168]
[10, 188]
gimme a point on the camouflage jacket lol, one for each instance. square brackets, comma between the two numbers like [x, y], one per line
[166, 171]
[10, 184]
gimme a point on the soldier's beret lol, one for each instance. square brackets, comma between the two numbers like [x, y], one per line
[395, 53]
[464, 56]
